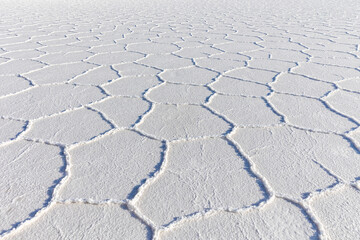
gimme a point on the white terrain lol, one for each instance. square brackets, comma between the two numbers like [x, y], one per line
[180, 119]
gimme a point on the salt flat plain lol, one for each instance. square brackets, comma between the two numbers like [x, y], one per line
[180, 119]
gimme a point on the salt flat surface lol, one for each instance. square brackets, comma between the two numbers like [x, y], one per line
[180, 119]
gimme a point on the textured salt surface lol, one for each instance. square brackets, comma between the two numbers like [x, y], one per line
[180, 119]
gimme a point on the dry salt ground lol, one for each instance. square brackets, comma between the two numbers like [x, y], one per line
[166, 119]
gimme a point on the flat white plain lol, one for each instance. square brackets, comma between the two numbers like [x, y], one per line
[180, 119]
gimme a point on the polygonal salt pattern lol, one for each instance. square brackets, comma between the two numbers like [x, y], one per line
[107, 48]
[132, 86]
[335, 58]
[10, 129]
[58, 73]
[338, 212]
[288, 55]
[62, 48]
[127, 112]
[24, 54]
[289, 147]
[47, 100]
[282, 45]
[19, 66]
[166, 61]
[240, 110]
[197, 52]
[326, 72]
[346, 103]
[350, 84]
[201, 184]
[219, 65]
[300, 85]
[152, 48]
[253, 75]
[235, 47]
[279, 220]
[21, 46]
[96, 76]
[65, 221]
[191, 75]
[70, 127]
[179, 94]
[13, 84]
[114, 58]
[233, 86]
[32, 170]
[58, 58]
[310, 113]
[184, 121]
[135, 69]
[272, 64]
[112, 167]
[356, 136]
[179, 119]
